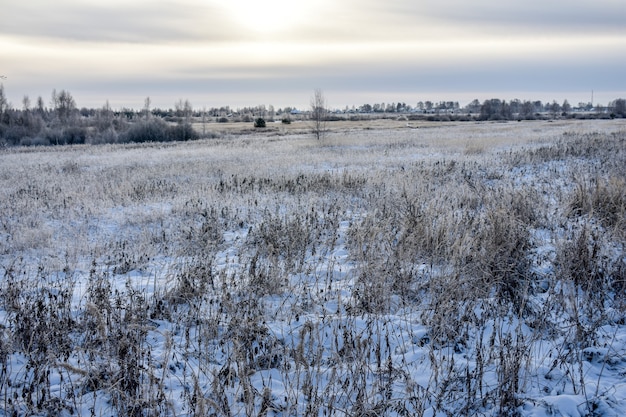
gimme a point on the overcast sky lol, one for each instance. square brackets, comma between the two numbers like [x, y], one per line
[247, 52]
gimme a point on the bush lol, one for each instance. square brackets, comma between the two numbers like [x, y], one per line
[68, 136]
[74, 135]
[153, 130]
[260, 122]
[603, 200]
[54, 137]
[107, 136]
[183, 132]
[13, 135]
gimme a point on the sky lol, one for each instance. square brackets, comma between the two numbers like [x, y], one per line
[277, 52]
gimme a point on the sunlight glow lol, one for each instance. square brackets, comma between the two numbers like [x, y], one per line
[268, 16]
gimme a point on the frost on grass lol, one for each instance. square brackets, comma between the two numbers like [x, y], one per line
[459, 270]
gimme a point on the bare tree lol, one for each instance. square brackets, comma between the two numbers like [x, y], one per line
[527, 110]
[64, 105]
[566, 107]
[146, 107]
[184, 111]
[4, 104]
[555, 108]
[204, 121]
[41, 107]
[319, 114]
[104, 117]
[26, 103]
[619, 107]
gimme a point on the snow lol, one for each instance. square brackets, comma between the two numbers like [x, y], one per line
[312, 347]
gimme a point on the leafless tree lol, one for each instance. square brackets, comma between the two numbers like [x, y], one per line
[184, 110]
[26, 103]
[4, 103]
[41, 107]
[64, 105]
[619, 107]
[566, 107]
[105, 117]
[319, 114]
[204, 121]
[146, 107]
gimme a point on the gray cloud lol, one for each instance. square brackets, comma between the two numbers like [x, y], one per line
[124, 51]
[522, 17]
[105, 22]
[351, 20]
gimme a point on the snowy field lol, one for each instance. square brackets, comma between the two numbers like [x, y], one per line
[440, 269]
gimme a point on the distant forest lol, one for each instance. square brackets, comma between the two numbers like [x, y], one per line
[62, 122]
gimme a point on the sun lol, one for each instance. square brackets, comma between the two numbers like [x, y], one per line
[267, 16]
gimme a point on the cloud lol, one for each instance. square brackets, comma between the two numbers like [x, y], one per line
[135, 22]
[203, 49]
[143, 21]
[514, 18]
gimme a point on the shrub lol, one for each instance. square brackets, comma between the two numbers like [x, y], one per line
[153, 130]
[40, 141]
[74, 135]
[107, 136]
[13, 135]
[602, 199]
[501, 258]
[260, 122]
[68, 136]
[54, 137]
[26, 141]
[182, 132]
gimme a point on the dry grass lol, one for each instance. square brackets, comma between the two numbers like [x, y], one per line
[389, 270]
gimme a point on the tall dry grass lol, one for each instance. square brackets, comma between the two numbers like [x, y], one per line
[381, 272]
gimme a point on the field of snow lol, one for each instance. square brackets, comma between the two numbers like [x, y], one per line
[435, 270]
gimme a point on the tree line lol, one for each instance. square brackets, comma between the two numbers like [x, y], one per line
[62, 122]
